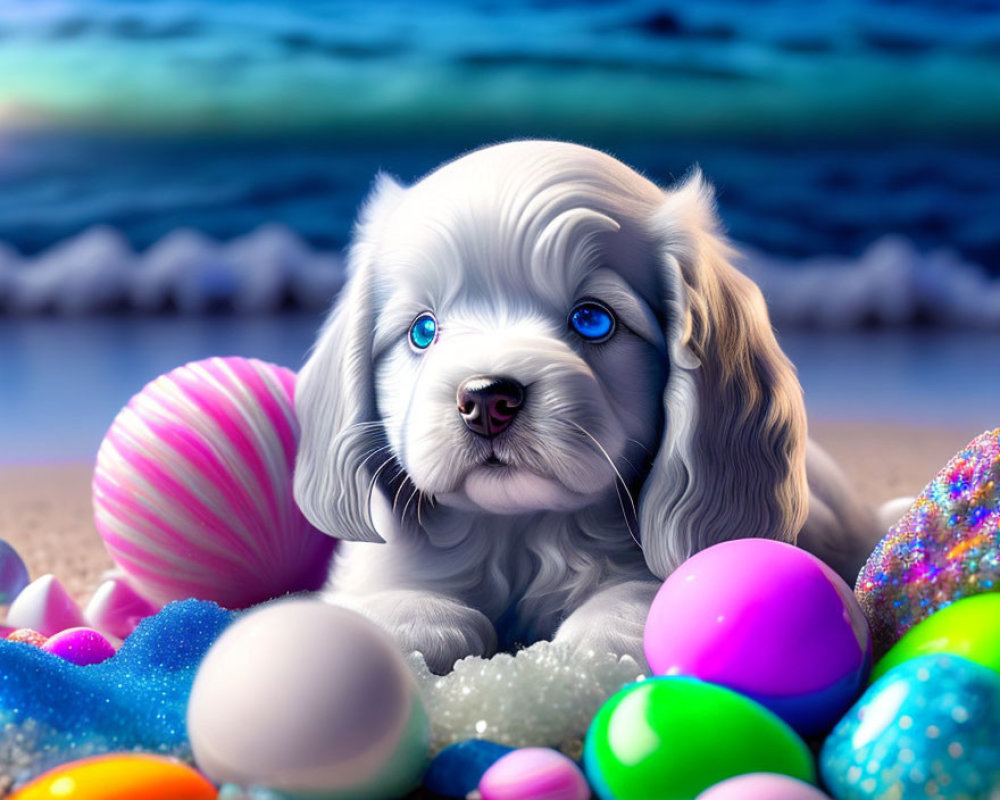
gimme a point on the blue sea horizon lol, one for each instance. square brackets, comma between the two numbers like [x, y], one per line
[65, 379]
[178, 159]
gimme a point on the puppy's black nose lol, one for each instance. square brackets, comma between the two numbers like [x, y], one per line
[488, 404]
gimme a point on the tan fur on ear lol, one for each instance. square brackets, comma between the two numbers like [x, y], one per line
[732, 459]
[334, 395]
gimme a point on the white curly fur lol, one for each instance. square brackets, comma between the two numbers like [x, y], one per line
[685, 429]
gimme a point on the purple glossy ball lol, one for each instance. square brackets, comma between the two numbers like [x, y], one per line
[768, 620]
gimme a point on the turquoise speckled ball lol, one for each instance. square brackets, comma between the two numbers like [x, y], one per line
[930, 728]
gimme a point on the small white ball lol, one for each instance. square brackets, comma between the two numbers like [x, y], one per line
[308, 699]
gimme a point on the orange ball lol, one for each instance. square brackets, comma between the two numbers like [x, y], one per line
[28, 636]
[120, 776]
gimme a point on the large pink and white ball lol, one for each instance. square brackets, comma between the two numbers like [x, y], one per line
[768, 620]
[193, 487]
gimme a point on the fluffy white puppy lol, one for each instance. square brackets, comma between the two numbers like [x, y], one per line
[544, 387]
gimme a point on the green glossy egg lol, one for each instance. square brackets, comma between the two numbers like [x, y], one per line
[969, 628]
[672, 737]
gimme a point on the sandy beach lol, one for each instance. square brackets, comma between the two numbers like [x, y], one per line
[45, 511]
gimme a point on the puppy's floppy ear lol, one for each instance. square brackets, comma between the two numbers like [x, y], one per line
[335, 393]
[732, 460]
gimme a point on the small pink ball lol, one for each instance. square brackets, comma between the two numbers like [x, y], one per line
[534, 773]
[762, 786]
[80, 646]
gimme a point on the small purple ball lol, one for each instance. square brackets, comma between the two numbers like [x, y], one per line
[80, 646]
[768, 620]
[534, 773]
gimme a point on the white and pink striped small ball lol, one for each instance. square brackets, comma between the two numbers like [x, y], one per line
[534, 773]
[193, 487]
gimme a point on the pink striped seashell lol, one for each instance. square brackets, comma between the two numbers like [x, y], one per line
[116, 608]
[193, 487]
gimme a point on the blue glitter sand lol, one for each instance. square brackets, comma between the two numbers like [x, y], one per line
[52, 711]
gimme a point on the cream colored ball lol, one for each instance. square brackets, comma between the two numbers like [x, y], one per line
[311, 700]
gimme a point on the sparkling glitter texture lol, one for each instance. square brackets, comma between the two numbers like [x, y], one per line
[930, 728]
[946, 546]
[545, 696]
[52, 711]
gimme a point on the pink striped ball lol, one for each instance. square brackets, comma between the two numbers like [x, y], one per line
[193, 487]
[534, 773]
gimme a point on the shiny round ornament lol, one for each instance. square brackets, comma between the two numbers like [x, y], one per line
[762, 786]
[929, 728]
[13, 573]
[969, 628]
[120, 776]
[768, 620]
[670, 738]
[27, 636]
[946, 547]
[193, 487]
[534, 773]
[80, 646]
[312, 701]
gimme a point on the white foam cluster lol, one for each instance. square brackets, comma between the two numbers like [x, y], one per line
[890, 284]
[98, 270]
[544, 696]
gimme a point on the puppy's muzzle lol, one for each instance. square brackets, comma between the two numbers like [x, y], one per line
[488, 404]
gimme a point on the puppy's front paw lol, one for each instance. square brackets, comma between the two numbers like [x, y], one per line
[611, 621]
[442, 629]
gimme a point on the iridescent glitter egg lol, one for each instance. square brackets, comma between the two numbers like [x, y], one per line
[930, 728]
[944, 548]
[193, 487]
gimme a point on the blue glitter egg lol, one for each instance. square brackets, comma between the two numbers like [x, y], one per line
[53, 711]
[929, 728]
[457, 769]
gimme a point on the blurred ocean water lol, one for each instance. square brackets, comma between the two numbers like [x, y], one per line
[625, 67]
[167, 161]
[63, 380]
[824, 126]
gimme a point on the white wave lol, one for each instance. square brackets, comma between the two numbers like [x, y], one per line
[97, 271]
[82, 274]
[891, 284]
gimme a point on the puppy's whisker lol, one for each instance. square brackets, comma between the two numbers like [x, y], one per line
[371, 453]
[395, 498]
[620, 479]
[644, 448]
[409, 500]
[371, 483]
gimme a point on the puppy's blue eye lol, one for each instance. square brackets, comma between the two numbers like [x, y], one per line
[592, 321]
[423, 331]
